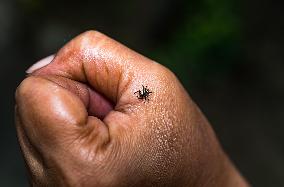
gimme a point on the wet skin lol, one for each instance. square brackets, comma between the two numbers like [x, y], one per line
[79, 123]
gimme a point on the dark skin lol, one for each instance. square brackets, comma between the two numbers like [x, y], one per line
[79, 123]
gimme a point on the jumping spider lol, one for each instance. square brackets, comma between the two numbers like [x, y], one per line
[144, 94]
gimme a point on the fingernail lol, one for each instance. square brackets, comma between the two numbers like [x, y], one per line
[40, 64]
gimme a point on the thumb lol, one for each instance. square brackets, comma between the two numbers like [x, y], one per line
[52, 117]
[55, 131]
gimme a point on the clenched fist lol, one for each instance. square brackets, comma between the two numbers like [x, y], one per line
[99, 114]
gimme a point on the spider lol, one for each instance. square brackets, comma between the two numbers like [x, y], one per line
[144, 94]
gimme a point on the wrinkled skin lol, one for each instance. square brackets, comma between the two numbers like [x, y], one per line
[79, 123]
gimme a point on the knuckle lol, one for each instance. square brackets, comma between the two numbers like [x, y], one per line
[85, 46]
[90, 34]
[89, 39]
[165, 75]
[168, 73]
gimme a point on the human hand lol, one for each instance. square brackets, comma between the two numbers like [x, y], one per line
[80, 123]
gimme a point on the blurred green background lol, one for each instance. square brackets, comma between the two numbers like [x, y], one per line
[227, 53]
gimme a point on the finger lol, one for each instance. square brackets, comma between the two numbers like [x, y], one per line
[53, 118]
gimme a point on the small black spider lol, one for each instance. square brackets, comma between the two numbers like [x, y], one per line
[144, 94]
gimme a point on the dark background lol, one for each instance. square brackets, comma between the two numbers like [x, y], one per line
[228, 54]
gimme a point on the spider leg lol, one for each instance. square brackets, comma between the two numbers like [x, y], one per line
[139, 92]
[145, 99]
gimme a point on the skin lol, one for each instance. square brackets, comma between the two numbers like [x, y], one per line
[79, 123]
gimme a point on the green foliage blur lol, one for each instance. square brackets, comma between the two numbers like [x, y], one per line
[206, 45]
